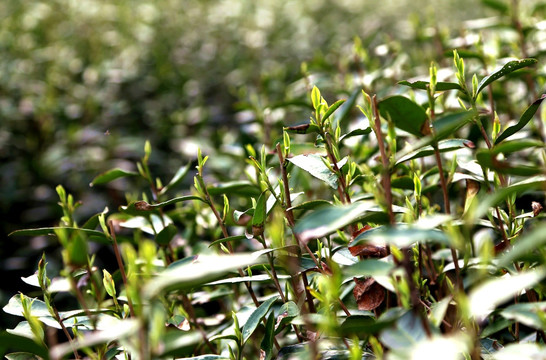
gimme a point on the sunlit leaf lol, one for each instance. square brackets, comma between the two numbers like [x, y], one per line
[200, 271]
[92, 235]
[508, 68]
[487, 296]
[523, 120]
[529, 314]
[111, 175]
[443, 146]
[314, 166]
[11, 342]
[177, 178]
[256, 317]
[521, 351]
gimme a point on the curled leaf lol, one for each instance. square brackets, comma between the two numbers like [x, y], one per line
[368, 294]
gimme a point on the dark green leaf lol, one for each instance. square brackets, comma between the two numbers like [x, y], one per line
[166, 235]
[356, 132]
[141, 207]
[403, 182]
[243, 188]
[487, 159]
[446, 125]
[496, 5]
[314, 166]
[309, 205]
[176, 344]
[523, 120]
[92, 222]
[10, 343]
[269, 338]
[228, 239]
[508, 147]
[111, 175]
[508, 68]
[287, 313]
[440, 86]
[93, 235]
[303, 129]
[365, 325]
[255, 318]
[404, 113]
[443, 146]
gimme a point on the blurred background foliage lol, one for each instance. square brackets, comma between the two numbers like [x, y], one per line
[83, 84]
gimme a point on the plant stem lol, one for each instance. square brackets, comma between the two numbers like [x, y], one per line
[386, 177]
[121, 267]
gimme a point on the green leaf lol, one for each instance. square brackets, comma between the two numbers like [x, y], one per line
[487, 296]
[176, 345]
[243, 188]
[310, 205]
[369, 267]
[329, 219]
[365, 325]
[508, 68]
[200, 271]
[407, 331]
[314, 166]
[141, 207]
[332, 108]
[438, 311]
[92, 235]
[315, 97]
[487, 159]
[499, 195]
[269, 338]
[440, 86]
[253, 278]
[302, 129]
[443, 146]
[22, 356]
[521, 351]
[166, 235]
[529, 314]
[11, 342]
[356, 132]
[255, 318]
[177, 178]
[258, 219]
[205, 357]
[523, 120]
[287, 313]
[404, 113]
[228, 239]
[111, 175]
[508, 147]
[446, 125]
[496, 5]
[523, 246]
[402, 236]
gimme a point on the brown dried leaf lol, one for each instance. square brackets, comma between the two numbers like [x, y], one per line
[368, 250]
[368, 294]
[537, 208]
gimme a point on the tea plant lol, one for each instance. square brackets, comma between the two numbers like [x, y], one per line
[334, 249]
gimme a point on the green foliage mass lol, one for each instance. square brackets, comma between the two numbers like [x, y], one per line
[380, 199]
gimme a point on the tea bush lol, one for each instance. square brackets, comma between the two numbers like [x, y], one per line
[402, 220]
